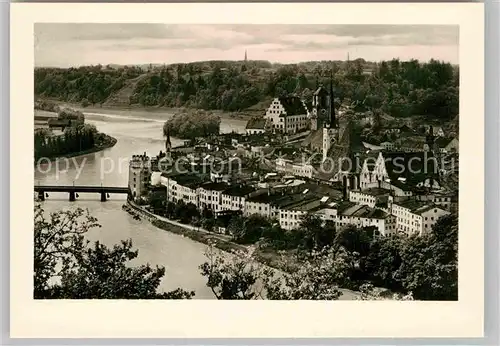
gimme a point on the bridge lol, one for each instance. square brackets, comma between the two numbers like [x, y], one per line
[74, 189]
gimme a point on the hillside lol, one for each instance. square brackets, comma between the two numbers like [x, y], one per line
[396, 89]
[122, 96]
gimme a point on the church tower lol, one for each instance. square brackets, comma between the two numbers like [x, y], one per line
[330, 127]
[245, 55]
[168, 146]
[320, 105]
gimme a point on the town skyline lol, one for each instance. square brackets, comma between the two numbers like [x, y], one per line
[93, 44]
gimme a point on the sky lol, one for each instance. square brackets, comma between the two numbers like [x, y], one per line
[76, 44]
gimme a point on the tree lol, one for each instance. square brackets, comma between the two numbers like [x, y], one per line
[231, 279]
[158, 201]
[67, 266]
[242, 277]
[429, 266]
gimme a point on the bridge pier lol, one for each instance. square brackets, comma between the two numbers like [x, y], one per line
[103, 197]
[41, 195]
[72, 196]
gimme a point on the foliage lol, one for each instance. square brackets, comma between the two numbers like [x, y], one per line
[241, 277]
[397, 88]
[75, 139]
[192, 125]
[67, 266]
[94, 84]
[430, 263]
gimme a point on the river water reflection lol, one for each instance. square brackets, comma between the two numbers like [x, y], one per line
[136, 134]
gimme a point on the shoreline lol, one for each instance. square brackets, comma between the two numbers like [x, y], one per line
[199, 235]
[157, 110]
[110, 142]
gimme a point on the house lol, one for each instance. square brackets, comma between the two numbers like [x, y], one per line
[292, 210]
[233, 197]
[374, 197]
[349, 213]
[287, 115]
[296, 168]
[182, 186]
[255, 126]
[262, 204]
[210, 196]
[416, 217]
[389, 146]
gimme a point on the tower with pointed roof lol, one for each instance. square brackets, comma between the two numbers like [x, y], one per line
[168, 145]
[330, 126]
[245, 55]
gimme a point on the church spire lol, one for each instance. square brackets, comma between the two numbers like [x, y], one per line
[168, 143]
[333, 122]
[245, 55]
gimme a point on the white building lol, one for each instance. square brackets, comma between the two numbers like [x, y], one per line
[292, 210]
[234, 197]
[298, 169]
[363, 216]
[287, 115]
[210, 196]
[388, 146]
[182, 187]
[372, 198]
[416, 217]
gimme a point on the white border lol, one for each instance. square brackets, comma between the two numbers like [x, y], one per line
[216, 319]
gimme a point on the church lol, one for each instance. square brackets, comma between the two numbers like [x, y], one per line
[328, 136]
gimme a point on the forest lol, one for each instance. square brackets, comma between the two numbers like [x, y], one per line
[397, 88]
[192, 125]
[75, 139]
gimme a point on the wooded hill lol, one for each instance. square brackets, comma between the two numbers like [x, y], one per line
[396, 88]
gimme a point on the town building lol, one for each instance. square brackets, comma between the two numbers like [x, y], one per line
[234, 196]
[416, 217]
[293, 209]
[210, 195]
[348, 213]
[255, 126]
[374, 197]
[287, 115]
[139, 175]
[419, 169]
[182, 186]
[295, 168]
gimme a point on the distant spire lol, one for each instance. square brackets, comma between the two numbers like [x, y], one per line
[348, 57]
[168, 143]
[332, 103]
[245, 55]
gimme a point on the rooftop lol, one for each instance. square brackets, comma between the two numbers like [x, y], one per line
[256, 123]
[376, 191]
[412, 205]
[213, 186]
[238, 190]
[363, 211]
[293, 105]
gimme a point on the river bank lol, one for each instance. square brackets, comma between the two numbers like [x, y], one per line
[221, 242]
[157, 111]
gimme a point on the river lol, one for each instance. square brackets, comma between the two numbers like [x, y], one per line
[137, 132]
